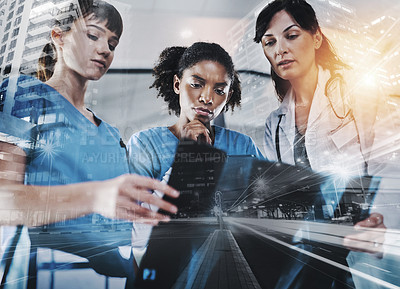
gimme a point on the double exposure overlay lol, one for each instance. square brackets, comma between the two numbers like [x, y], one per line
[105, 103]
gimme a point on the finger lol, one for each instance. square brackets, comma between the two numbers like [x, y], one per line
[148, 217]
[194, 129]
[194, 134]
[125, 214]
[197, 123]
[139, 194]
[376, 218]
[153, 185]
[373, 221]
[362, 246]
[366, 241]
[209, 140]
[351, 244]
[137, 213]
[158, 202]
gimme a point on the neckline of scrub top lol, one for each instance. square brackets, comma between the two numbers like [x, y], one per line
[97, 119]
[217, 130]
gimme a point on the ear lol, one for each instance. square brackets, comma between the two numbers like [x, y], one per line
[317, 39]
[57, 36]
[176, 84]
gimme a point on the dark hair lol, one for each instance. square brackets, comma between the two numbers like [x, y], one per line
[304, 15]
[94, 9]
[175, 60]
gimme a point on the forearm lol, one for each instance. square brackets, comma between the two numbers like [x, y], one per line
[38, 205]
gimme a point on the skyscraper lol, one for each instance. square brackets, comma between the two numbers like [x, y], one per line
[13, 33]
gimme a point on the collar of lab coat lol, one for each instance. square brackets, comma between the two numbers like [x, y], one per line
[319, 105]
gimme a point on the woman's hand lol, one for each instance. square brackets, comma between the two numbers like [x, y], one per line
[371, 237]
[194, 129]
[12, 164]
[121, 198]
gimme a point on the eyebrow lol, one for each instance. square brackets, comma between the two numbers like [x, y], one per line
[102, 30]
[203, 80]
[286, 29]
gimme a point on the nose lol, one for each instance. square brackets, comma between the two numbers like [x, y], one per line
[103, 48]
[206, 95]
[281, 48]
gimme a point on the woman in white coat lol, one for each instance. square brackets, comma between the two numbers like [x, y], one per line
[320, 124]
[316, 124]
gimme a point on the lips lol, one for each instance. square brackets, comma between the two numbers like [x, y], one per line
[202, 111]
[285, 62]
[100, 63]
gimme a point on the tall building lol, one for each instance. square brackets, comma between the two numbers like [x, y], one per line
[43, 14]
[24, 33]
[25, 29]
[13, 32]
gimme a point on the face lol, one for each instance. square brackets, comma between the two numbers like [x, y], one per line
[203, 90]
[289, 48]
[88, 48]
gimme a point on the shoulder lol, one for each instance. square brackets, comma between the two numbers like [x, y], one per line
[273, 117]
[150, 134]
[230, 133]
[22, 83]
[225, 137]
[235, 143]
[152, 138]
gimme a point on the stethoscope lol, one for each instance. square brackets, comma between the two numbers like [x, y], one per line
[277, 146]
[334, 78]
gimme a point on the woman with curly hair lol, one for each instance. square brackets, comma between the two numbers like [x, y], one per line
[198, 83]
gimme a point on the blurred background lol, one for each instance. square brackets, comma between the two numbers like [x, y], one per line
[364, 33]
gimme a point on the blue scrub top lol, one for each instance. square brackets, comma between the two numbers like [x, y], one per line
[64, 147]
[152, 151]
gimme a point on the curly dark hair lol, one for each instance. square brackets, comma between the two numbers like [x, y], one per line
[176, 59]
[304, 15]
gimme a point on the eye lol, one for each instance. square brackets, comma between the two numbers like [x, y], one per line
[111, 47]
[292, 36]
[92, 37]
[195, 85]
[269, 43]
[219, 91]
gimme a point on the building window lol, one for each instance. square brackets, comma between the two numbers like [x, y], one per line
[2, 98]
[21, 1]
[10, 56]
[2, 49]
[10, 15]
[8, 26]
[13, 43]
[12, 6]
[18, 20]
[7, 69]
[1, 60]
[20, 9]
[5, 38]
[15, 32]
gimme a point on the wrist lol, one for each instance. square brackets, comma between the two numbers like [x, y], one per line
[103, 197]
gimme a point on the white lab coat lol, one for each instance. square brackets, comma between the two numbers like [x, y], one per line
[362, 143]
[333, 144]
